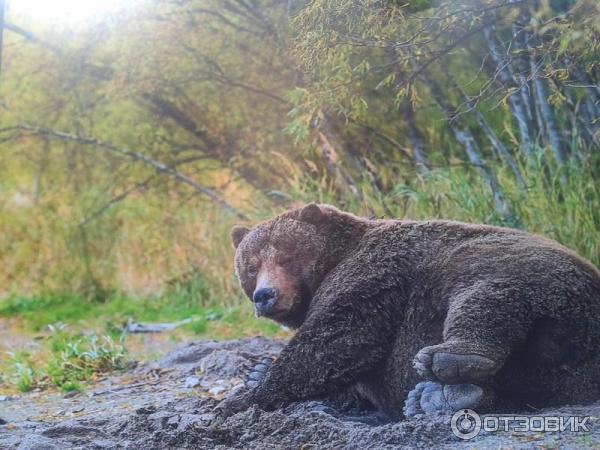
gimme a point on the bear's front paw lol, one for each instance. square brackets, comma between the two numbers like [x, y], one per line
[237, 402]
[257, 374]
[454, 363]
[429, 397]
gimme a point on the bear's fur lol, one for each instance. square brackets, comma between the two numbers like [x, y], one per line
[492, 317]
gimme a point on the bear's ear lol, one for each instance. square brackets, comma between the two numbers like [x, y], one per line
[237, 234]
[311, 213]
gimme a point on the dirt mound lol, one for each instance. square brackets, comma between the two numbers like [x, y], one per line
[170, 404]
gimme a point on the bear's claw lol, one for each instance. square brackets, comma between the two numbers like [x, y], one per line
[429, 397]
[453, 365]
[258, 372]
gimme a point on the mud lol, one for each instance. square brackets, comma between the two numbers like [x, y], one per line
[169, 404]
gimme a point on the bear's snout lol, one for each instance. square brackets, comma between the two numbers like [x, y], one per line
[264, 301]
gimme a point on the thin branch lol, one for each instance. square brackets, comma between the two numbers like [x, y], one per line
[509, 3]
[31, 37]
[383, 137]
[116, 199]
[20, 31]
[136, 156]
[444, 52]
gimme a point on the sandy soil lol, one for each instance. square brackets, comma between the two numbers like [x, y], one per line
[169, 404]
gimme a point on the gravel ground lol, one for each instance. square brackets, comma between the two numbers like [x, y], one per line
[169, 404]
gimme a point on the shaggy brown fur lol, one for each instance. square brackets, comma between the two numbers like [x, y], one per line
[511, 317]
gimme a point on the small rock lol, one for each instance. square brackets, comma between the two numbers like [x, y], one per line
[70, 394]
[173, 421]
[160, 416]
[206, 418]
[27, 424]
[37, 442]
[192, 382]
[222, 363]
[2, 421]
[132, 365]
[248, 436]
[146, 410]
[103, 444]
[217, 390]
[189, 353]
[189, 420]
[71, 428]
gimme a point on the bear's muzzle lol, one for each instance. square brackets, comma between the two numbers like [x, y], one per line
[264, 301]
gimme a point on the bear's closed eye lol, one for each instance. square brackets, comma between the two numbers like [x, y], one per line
[285, 259]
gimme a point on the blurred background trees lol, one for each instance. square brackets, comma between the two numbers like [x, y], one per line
[128, 148]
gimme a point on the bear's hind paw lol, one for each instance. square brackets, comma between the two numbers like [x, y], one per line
[429, 398]
[448, 364]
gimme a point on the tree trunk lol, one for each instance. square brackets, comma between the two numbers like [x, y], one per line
[497, 144]
[556, 141]
[419, 155]
[417, 144]
[343, 180]
[515, 100]
[465, 137]
[463, 134]
[2, 9]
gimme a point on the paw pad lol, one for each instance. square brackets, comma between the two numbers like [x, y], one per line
[429, 397]
[256, 374]
[453, 365]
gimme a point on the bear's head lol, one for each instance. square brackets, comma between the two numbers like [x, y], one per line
[281, 262]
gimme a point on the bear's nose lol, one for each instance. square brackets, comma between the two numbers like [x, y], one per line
[264, 300]
[263, 295]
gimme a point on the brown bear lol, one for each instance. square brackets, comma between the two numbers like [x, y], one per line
[419, 317]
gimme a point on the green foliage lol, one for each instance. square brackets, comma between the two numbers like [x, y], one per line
[78, 358]
[73, 359]
[570, 213]
[21, 372]
[270, 107]
[210, 316]
[43, 310]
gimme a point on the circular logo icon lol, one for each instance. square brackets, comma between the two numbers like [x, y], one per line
[466, 424]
